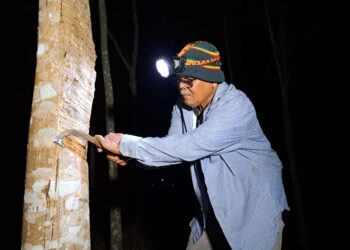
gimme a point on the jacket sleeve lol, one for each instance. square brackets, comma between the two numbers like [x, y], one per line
[227, 127]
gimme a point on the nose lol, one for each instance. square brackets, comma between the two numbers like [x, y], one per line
[181, 85]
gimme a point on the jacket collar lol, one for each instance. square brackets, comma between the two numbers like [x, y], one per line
[221, 90]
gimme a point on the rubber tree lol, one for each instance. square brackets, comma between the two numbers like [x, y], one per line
[115, 215]
[116, 239]
[281, 51]
[56, 199]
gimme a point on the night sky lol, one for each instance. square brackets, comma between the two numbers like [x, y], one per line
[158, 204]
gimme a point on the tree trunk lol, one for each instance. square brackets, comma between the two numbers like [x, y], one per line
[56, 200]
[280, 56]
[115, 213]
[134, 52]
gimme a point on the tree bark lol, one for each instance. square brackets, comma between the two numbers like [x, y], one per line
[56, 200]
[134, 52]
[115, 213]
[280, 56]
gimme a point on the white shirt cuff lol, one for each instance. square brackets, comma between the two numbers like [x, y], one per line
[128, 145]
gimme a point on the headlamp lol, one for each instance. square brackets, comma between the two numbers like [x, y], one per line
[166, 66]
[179, 64]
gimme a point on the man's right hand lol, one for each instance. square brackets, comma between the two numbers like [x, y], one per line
[110, 142]
[110, 146]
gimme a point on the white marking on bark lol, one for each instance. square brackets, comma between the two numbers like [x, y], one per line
[54, 16]
[41, 49]
[36, 201]
[44, 137]
[44, 108]
[39, 16]
[46, 105]
[40, 172]
[74, 229]
[72, 203]
[68, 187]
[72, 235]
[86, 244]
[28, 246]
[47, 91]
[39, 185]
[54, 244]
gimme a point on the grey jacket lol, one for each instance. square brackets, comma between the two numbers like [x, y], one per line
[241, 170]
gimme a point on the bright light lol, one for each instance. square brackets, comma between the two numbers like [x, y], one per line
[162, 67]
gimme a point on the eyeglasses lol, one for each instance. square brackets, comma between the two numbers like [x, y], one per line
[187, 81]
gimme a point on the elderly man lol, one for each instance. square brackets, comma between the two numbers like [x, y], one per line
[236, 174]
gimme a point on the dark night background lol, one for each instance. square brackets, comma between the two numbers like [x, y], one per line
[157, 205]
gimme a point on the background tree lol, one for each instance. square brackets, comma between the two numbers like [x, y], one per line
[280, 52]
[115, 214]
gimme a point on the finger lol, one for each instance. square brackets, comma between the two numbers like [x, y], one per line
[101, 139]
[122, 163]
[98, 137]
[116, 159]
[113, 158]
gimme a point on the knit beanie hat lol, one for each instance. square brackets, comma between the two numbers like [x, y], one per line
[202, 62]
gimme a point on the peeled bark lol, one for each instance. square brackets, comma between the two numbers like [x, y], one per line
[56, 200]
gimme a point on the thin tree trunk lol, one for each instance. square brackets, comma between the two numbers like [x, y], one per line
[107, 78]
[280, 56]
[227, 47]
[56, 199]
[115, 215]
[132, 63]
[134, 53]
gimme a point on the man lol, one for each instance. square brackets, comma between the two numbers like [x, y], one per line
[236, 174]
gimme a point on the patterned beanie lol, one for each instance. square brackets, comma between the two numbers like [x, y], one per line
[202, 62]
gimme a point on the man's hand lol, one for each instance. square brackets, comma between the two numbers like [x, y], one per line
[110, 145]
[110, 142]
[118, 159]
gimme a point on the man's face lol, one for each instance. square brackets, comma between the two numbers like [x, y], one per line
[195, 92]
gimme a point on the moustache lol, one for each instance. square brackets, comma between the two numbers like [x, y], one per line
[184, 93]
